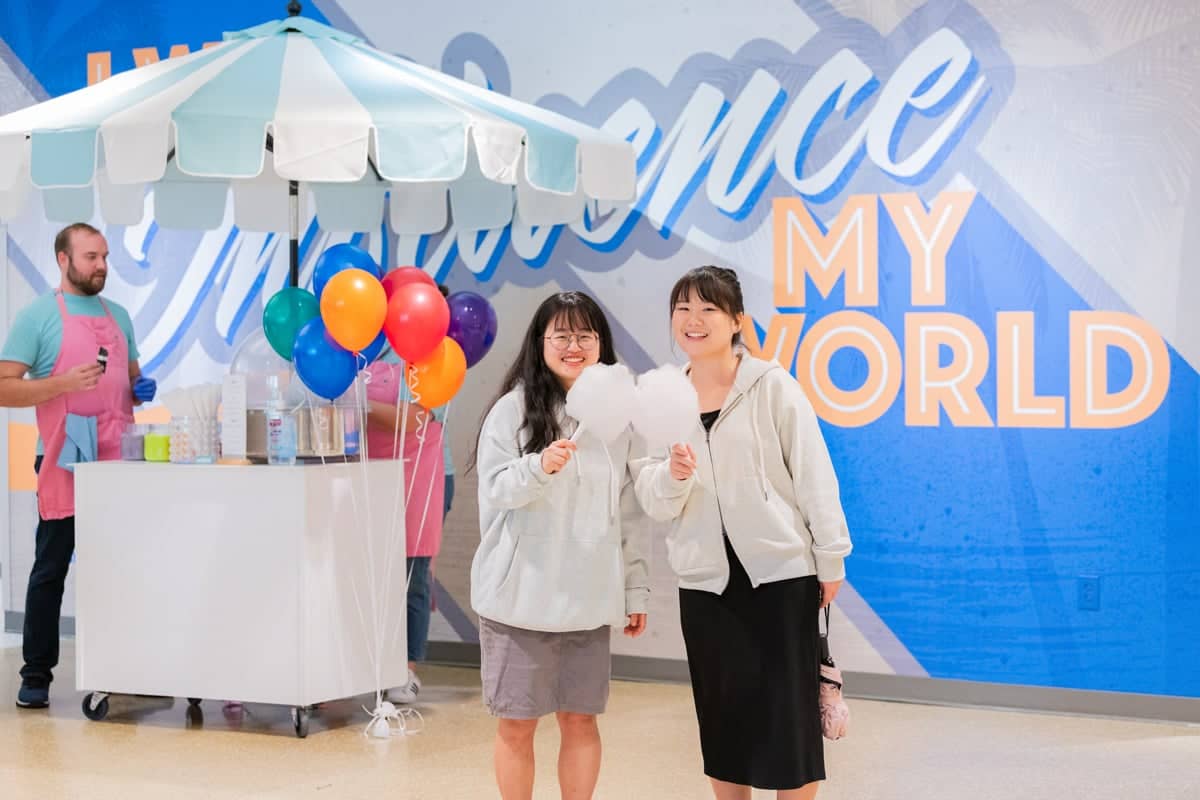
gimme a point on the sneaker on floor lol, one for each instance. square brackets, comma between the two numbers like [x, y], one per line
[33, 696]
[408, 692]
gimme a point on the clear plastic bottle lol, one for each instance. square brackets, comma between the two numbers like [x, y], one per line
[350, 423]
[281, 429]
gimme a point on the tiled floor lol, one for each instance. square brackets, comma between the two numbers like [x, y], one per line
[148, 749]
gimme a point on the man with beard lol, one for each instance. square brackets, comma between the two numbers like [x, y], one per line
[81, 360]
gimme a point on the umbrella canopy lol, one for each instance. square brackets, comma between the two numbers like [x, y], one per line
[295, 101]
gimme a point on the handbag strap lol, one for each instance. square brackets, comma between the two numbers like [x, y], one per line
[823, 654]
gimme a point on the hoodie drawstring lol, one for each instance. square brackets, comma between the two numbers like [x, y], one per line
[758, 447]
[614, 487]
[614, 500]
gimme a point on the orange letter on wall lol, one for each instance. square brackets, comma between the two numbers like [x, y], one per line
[849, 247]
[1092, 333]
[780, 342]
[869, 336]
[144, 56]
[930, 386]
[927, 237]
[99, 67]
[1017, 405]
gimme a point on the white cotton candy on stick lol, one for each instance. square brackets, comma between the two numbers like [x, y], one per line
[602, 401]
[667, 410]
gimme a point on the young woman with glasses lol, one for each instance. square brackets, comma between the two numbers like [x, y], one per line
[555, 568]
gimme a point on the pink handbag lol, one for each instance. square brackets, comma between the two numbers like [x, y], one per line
[835, 714]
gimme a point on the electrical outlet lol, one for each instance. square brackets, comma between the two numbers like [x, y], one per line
[1089, 593]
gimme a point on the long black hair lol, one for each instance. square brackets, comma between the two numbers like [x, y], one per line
[543, 395]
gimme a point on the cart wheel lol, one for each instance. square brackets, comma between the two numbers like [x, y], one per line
[300, 721]
[194, 702]
[93, 708]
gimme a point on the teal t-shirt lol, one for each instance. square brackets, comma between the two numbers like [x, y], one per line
[439, 413]
[35, 336]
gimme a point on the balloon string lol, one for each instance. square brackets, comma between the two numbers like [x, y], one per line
[399, 506]
[374, 657]
[424, 513]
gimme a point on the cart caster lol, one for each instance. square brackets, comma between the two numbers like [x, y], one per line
[95, 706]
[194, 702]
[300, 721]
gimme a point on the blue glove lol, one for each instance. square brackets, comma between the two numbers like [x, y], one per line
[144, 389]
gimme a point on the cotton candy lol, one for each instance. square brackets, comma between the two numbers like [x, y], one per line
[667, 409]
[602, 400]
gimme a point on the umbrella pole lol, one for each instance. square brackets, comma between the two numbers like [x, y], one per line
[294, 208]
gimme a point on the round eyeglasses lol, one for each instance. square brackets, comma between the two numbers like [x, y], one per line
[561, 341]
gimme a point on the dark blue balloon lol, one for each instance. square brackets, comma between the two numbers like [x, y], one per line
[372, 351]
[472, 324]
[325, 367]
[341, 257]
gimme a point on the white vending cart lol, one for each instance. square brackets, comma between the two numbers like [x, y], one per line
[261, 584]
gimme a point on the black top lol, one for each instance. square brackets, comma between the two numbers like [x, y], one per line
[707, 418]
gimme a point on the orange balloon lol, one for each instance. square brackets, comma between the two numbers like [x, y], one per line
[436, 378]
[353, 306]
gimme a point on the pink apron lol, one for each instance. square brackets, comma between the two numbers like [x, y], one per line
[426, 472]
[110, 402]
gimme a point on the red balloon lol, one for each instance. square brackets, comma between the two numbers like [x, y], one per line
[402, 276]
[417, 320]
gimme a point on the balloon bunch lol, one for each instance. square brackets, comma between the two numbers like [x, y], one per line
[355, 310]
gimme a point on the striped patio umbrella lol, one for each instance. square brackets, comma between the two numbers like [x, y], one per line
[294, 102]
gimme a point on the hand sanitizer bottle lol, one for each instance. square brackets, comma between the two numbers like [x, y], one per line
[281, 428]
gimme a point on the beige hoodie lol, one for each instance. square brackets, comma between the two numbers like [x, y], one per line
[557, 552]
[764, 476]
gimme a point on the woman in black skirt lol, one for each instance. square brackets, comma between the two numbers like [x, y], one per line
[758, 538]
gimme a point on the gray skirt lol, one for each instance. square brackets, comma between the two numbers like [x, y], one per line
[528, 674]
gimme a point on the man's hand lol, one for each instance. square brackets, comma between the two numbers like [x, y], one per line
[81, 378]
[144, 389]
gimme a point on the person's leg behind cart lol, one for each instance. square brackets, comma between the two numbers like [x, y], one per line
[420, 599]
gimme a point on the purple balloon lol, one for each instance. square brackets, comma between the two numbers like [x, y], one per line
[472, 324]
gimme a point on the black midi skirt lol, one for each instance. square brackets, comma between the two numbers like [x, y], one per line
[754, 659]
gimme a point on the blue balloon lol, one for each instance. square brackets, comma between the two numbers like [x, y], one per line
[341, 257]
[372, 351]
[324, 366]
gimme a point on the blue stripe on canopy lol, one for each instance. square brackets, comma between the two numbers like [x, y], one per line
[310, 28]
[220, 130]
[68, 157]
[420, 136]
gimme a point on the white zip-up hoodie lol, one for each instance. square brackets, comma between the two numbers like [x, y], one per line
[763, 474]
[558, 552]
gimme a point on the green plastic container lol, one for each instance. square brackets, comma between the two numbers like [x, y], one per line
[158, 447]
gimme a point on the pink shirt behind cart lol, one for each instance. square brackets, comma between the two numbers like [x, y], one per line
[424, 470]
